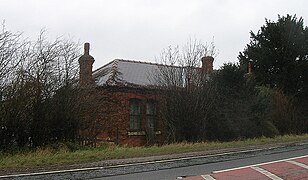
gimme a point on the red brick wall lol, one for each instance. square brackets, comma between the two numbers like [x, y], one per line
[118, 126]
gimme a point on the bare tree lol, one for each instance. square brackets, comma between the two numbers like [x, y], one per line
[38, 93]
[189, 98]
[12, 47]
[53, 64]
[181, 67]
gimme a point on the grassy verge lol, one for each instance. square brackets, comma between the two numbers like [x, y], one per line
[48, 156]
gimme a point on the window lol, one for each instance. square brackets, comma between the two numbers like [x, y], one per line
[135, 114]
[151, 114]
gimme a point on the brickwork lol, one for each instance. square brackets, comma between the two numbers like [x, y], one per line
[108, 107]
[85, 71]
[207, 64]
[106, 111]
[118, 126]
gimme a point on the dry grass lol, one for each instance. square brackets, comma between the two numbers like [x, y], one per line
[49, 156]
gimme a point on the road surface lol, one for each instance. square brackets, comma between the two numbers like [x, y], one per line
[210, 167]
[173, 169]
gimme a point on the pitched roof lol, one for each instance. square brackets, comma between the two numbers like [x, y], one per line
[131, 73]
[126, 72]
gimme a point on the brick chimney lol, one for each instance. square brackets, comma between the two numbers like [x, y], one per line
[85, 68]
[250, 67]
[207, 64]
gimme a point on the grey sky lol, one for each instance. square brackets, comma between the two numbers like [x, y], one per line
[140, 29]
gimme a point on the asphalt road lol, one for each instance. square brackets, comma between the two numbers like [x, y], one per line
[209, 167]
[171, 169]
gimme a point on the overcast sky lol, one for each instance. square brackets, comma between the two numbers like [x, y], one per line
[140, 29]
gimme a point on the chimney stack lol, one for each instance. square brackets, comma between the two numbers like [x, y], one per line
[207, 64]
[85, 68]
[249, 67]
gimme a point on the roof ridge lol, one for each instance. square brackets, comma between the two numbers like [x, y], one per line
[138, 61]
[145, 62]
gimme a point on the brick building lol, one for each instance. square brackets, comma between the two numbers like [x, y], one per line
[136, 117]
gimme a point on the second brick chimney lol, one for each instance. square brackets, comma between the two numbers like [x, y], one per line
[207, 64]
[85, 68]
[250, 67]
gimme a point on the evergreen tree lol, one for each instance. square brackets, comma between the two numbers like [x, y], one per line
[279, 54]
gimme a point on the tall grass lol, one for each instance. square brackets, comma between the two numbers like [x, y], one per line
[65, 156]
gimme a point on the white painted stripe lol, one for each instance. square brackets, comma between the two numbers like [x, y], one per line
[266, 173]
[298, 164]
[50, 172]
[130, 164]
[208, 177]
[253, 165]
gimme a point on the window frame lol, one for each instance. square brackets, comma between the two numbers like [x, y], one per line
[135, 118]
[152, 114]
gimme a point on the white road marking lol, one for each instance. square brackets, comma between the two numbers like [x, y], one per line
[298, 164]
[207, 177]
[253, 165]
[266, 173]
[50, 172]
[129, 164]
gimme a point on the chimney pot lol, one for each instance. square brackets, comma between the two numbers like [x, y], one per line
[86, 48]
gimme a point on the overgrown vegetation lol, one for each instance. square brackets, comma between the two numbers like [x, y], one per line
[65, 154]
[37, 95]
[232, 104]
[40, 104]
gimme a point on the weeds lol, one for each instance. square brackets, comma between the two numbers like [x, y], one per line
[62, 154]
